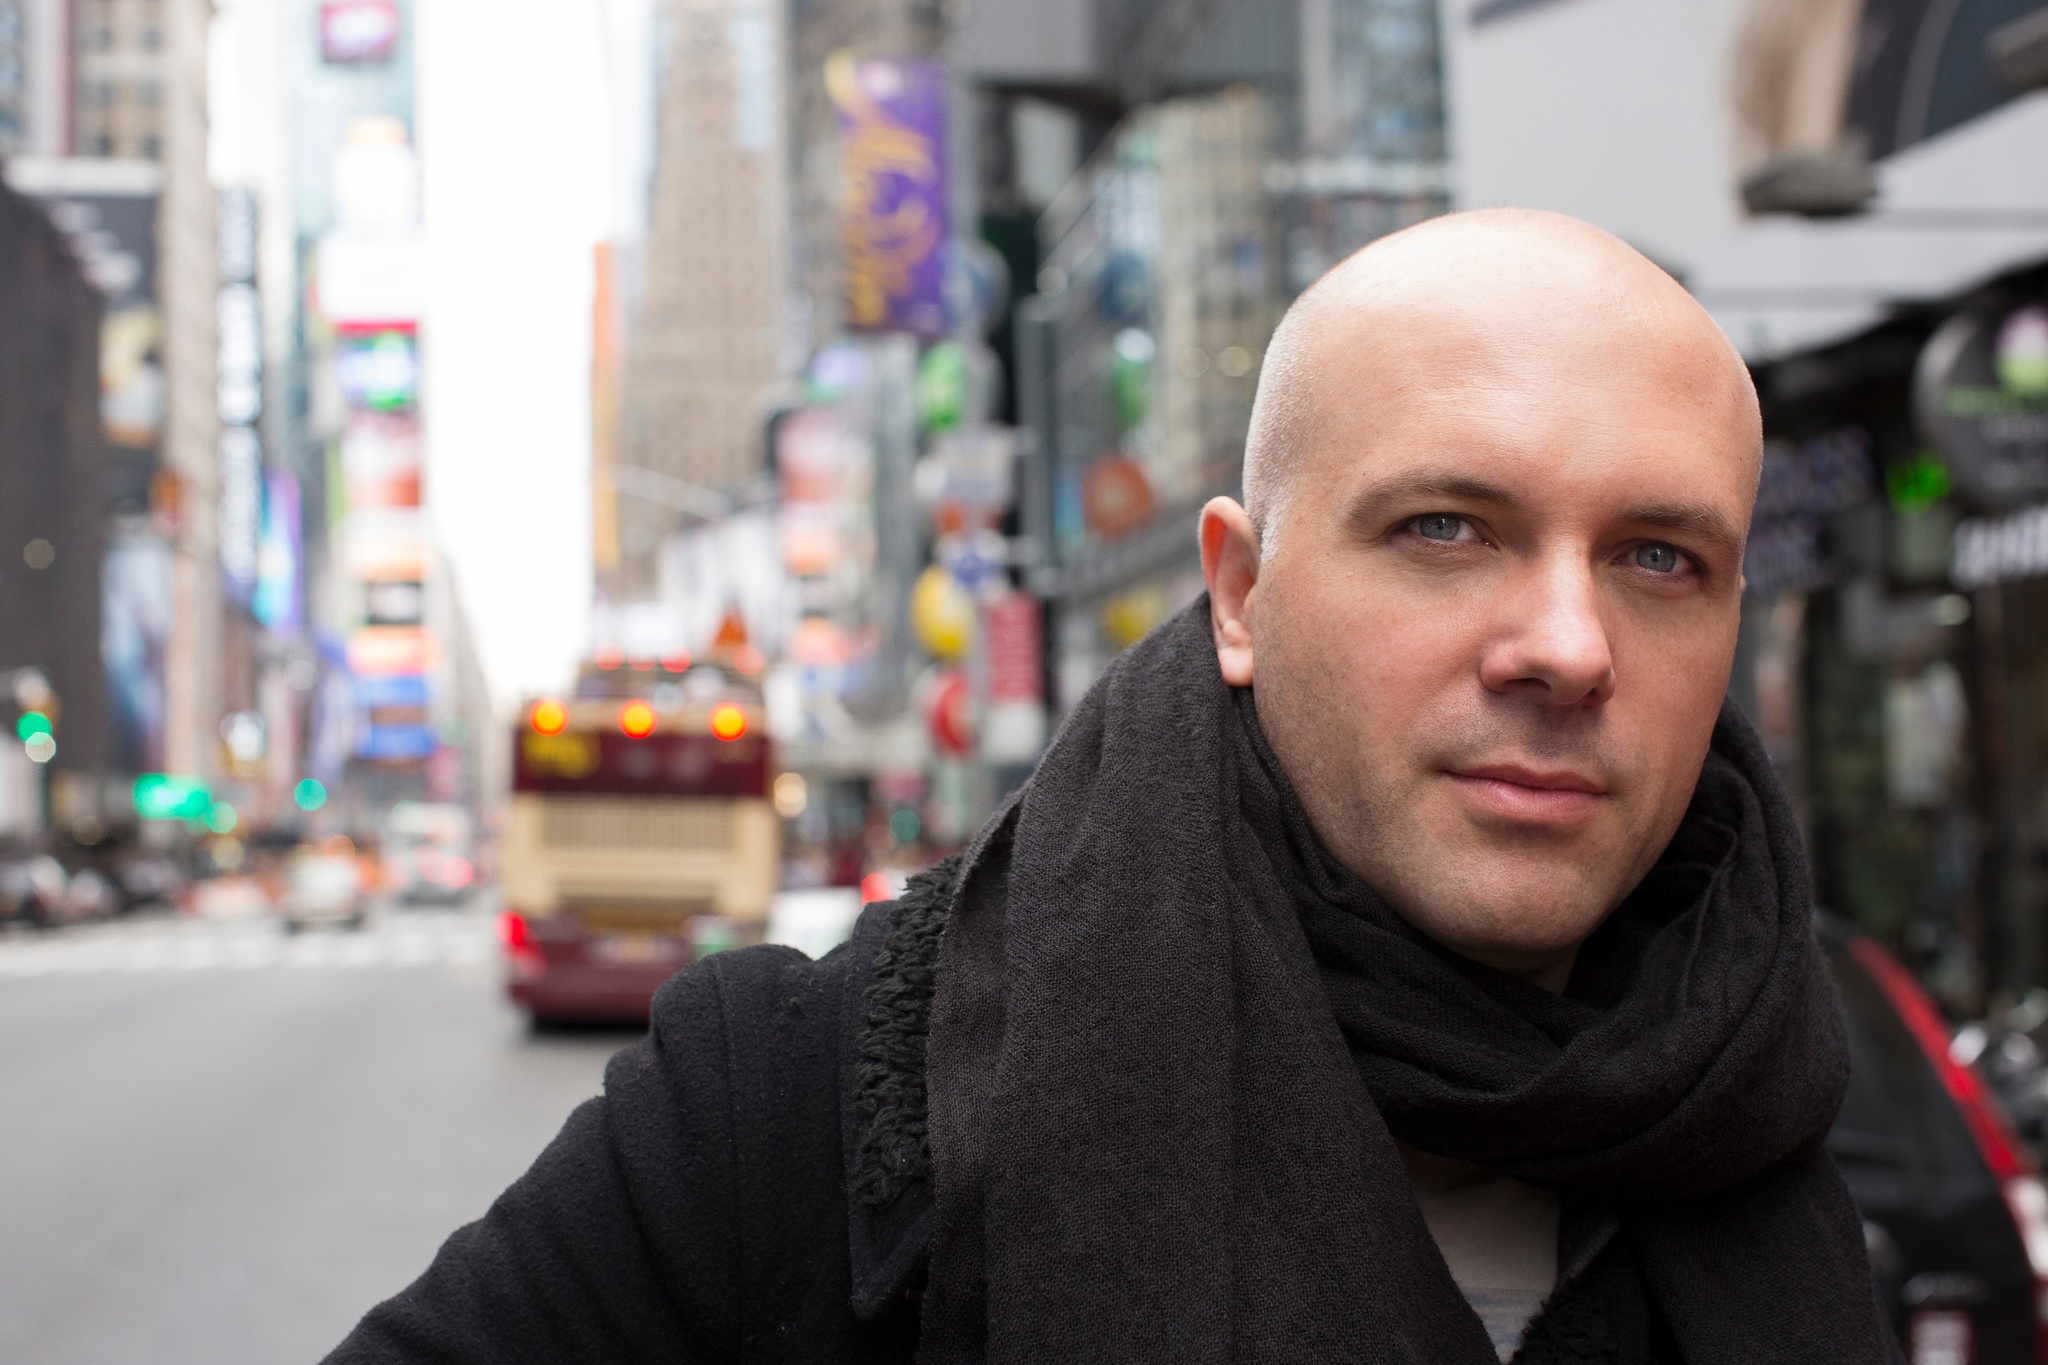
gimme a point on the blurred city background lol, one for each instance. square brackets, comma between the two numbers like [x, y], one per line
[499, 500]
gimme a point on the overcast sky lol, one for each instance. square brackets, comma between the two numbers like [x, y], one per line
[514, 139]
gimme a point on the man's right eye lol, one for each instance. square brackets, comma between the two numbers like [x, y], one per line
[1439, 526]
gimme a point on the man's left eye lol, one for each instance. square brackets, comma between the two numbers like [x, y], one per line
[1658, 557]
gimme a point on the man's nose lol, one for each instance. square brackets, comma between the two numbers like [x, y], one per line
[1551, 643]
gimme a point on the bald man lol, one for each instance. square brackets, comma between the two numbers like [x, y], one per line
[1403, 955]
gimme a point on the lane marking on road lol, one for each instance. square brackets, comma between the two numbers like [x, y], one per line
[153, 947]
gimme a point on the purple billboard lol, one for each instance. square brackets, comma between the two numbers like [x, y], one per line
[893, 226]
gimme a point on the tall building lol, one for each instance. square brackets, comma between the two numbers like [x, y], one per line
[124, 76]
[138, 117]
[167, 42]
[50, 513]
[14, 65]
[705, 351]
[1162, 178]
[106, 117]
[36, 66]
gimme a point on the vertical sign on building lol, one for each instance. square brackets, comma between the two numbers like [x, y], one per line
[894, 224]
[276, 599]
[240, 394]
[1014, 728]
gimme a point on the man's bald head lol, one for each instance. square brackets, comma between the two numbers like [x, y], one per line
[1489, 284]
[1488, 589]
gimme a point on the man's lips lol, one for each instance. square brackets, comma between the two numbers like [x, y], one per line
[1542, 796]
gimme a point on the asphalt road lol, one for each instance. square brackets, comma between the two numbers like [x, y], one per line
[220, 1146]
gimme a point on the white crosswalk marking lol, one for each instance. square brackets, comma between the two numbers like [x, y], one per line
[403, 939]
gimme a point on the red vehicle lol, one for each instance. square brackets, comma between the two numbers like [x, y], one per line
[1954, 1211]
[641, 837]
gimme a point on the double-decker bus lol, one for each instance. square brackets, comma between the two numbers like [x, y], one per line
[640, 837]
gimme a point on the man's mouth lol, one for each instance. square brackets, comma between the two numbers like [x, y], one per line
[1525, 795]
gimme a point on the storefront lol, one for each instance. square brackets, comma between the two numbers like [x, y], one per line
[1895, 638]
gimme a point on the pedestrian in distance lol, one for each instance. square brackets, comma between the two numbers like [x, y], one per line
[1404, 954]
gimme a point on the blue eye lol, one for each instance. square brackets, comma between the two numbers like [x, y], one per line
[1439, 526]
[1657, 558]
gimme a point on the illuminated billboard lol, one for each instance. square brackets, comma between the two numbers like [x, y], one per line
[894, 215]
[359, 32]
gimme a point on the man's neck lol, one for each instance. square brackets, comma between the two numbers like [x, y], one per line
[1554, 975]
[1551, 971]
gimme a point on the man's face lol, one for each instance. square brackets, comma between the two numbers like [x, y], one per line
[1495, 627]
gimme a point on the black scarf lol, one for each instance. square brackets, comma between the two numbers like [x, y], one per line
[1173, 1042]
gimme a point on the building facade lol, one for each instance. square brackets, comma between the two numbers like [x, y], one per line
[705, 346]
[51, 519]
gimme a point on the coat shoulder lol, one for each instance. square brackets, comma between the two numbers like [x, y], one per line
[792, 1092]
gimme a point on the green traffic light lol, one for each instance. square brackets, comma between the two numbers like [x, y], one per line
[222, 818]
[165, 796]
[310, 794]
[31, 724]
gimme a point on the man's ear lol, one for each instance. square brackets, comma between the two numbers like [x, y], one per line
[1230, 567]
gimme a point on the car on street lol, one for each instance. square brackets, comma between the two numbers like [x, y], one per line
[32, 890]
[149, 879]
[90, 896]
[1955, 1213]
[429, 853]
[322, 887]
[429, 874]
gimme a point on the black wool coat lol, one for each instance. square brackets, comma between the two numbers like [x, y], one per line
[697, 1212]
[752, 1187]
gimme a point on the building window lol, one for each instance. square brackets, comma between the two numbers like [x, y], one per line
[103, 145]
[101, 38]
[149, 94]
[152, 146]
[152, 39]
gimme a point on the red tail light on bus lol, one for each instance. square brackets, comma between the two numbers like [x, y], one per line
[636, 720]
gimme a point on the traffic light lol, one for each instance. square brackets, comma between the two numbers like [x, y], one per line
[35, 724]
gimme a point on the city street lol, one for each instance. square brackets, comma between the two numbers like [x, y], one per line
[219, 1144]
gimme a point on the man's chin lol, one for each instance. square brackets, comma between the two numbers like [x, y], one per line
[1505, 920]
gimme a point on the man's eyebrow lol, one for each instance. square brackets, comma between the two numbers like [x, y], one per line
[1367, 508]
[1701, 519]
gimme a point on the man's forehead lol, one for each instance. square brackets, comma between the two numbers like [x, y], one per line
[1506, 332]
[1511, 377]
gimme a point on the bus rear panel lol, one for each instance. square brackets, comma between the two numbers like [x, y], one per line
[638, 840]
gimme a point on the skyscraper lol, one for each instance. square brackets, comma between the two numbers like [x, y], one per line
[705, 349]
